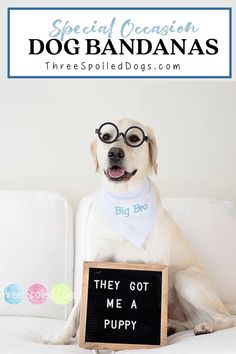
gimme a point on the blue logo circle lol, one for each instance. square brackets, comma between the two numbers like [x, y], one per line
[13, 294]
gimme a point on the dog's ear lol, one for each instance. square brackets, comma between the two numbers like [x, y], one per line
[93, 149]
[152, 150]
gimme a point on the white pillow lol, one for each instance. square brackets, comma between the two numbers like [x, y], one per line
[36, 247]
[210, 226]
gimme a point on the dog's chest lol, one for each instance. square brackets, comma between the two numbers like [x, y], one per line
[104, 243]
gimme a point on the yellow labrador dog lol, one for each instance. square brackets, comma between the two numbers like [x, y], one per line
[127, 223]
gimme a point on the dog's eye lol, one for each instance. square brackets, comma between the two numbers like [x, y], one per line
[106, 137]
[134, 138]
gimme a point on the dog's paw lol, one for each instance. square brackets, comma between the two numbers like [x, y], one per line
[56, 341]
[171, 330]
[50, 341]
[203, 328]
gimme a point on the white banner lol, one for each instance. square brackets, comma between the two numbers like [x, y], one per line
[119, 42]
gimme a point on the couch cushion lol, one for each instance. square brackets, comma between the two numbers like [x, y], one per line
[36, 247]
[210, 226]
[222, 342]
[24, 335]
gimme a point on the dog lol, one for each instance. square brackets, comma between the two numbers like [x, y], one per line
[125, 155]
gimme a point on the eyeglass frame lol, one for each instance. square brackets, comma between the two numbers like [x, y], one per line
[98, 132]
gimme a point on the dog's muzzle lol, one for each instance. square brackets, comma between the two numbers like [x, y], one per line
[116, 171]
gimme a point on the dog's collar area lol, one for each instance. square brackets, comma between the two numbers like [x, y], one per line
[108, 133]
[143, 188]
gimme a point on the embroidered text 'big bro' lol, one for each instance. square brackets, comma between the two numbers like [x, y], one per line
[132, 215]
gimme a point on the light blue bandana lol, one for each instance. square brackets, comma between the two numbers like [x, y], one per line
[134, 215]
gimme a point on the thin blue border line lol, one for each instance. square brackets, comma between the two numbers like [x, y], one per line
[8, 44]
[122, 77]
[119, 77]
[230, 43]
[119, 8]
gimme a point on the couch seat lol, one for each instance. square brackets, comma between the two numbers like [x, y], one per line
[24, 335]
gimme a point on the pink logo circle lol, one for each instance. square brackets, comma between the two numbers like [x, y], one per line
[37, 294]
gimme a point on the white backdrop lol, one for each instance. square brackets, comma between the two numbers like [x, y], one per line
[46, 126]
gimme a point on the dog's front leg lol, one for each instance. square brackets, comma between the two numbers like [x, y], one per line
[70, 328]
[195, 288]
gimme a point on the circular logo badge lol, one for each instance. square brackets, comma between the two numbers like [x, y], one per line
[37, 294]
[13, 294]
[61, 294]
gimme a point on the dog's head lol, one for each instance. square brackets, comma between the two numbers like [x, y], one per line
[124, 151]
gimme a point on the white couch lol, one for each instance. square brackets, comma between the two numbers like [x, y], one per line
[37, 246]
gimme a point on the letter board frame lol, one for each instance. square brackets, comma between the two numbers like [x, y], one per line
[88, 337]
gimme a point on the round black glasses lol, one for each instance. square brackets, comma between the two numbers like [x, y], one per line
[109, 133]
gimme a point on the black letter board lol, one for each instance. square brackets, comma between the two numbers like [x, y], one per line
[123, 306]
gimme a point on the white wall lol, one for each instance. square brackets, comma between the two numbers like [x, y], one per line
[46, 127]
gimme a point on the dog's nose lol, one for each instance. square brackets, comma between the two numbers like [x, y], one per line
[116, 154]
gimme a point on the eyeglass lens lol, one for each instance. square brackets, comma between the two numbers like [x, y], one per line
[108, 133]
[134, 136]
